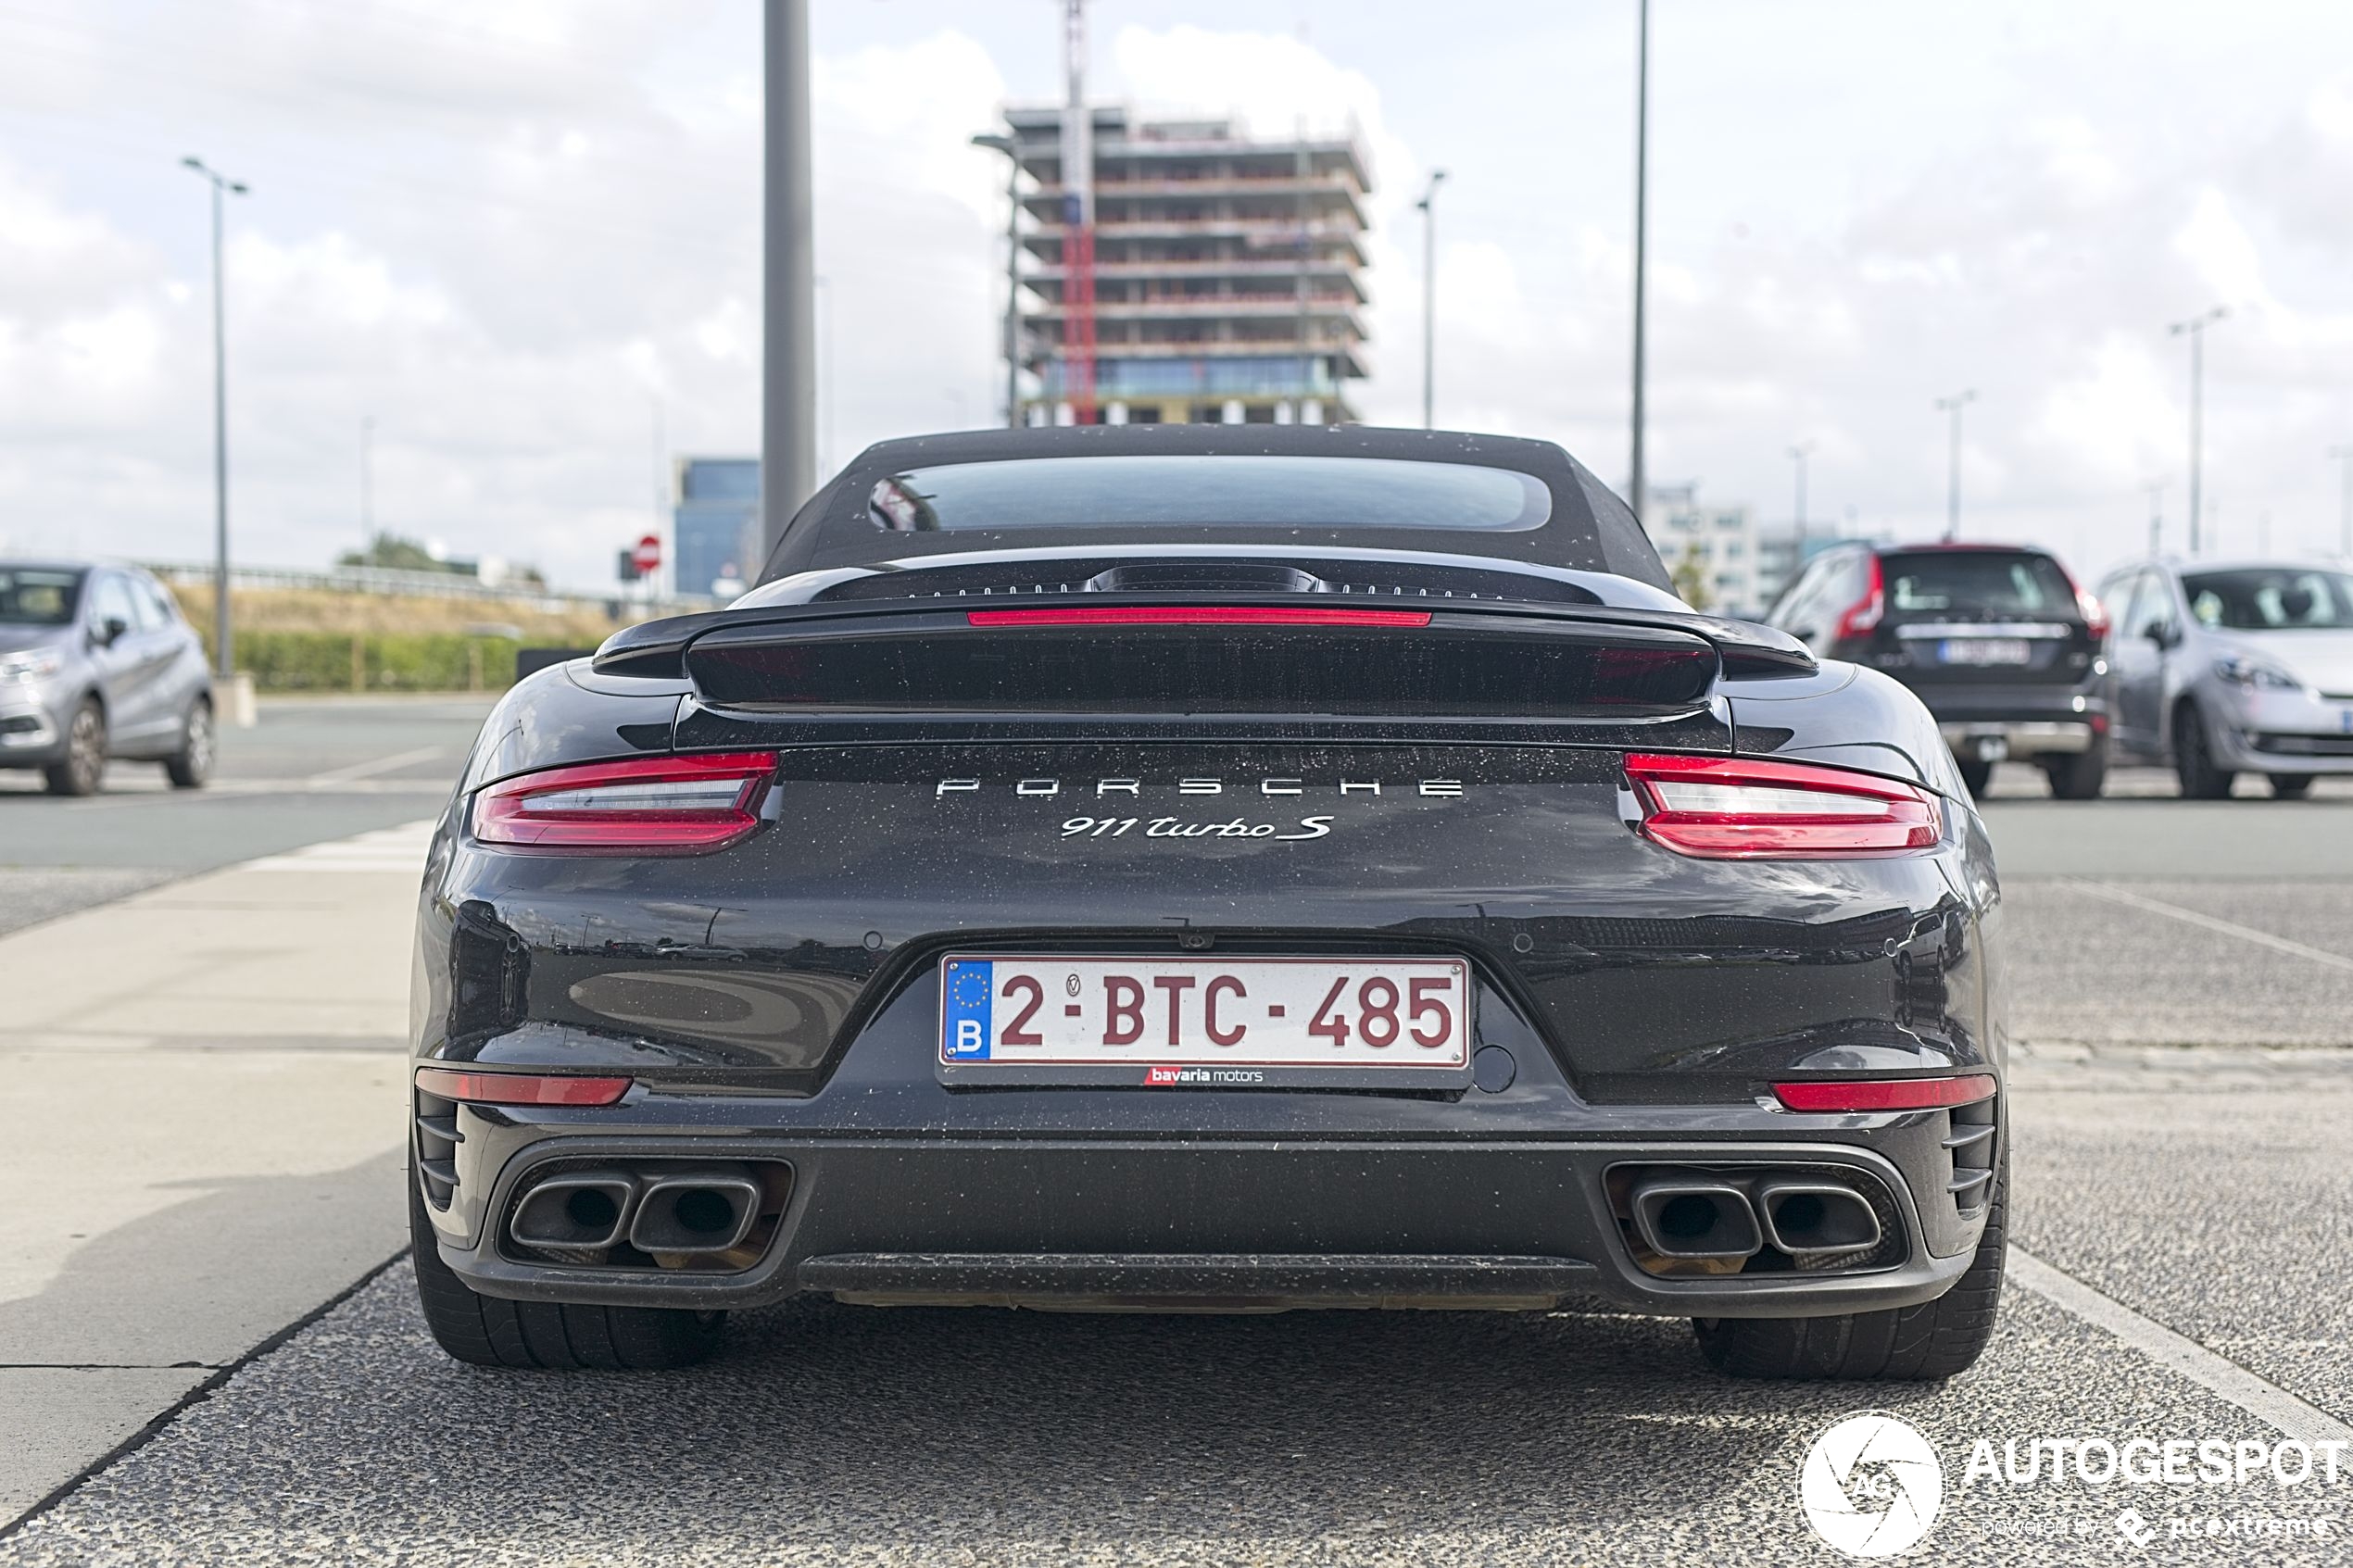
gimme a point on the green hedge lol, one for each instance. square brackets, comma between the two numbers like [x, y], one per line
[389, 662]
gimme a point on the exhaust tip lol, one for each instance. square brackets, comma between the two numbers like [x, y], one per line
[1691, 1219]
[1818, 1217]
[574, 1211]
[691, 1211]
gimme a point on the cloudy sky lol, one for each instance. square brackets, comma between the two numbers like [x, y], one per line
[521, 236]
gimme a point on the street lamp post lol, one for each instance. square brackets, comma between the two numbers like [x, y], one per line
[1797, 455]
[1428, 204]
[367, 486]
[2343, 453]
[789, 268]
[222, 659]
[1012, 149]
[2195, 327]
[1641, 230]
[1953, 406]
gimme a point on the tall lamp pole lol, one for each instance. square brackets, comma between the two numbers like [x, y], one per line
[2343, 453]
[2195, 328]
[1797, 455]
[1641, 230]
[367, 486]
[1953, 406]
[223, 661]
[1428, 204]
[1012, 149]
[788, 329]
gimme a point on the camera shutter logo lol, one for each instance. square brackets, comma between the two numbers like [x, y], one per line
[1871, 1485]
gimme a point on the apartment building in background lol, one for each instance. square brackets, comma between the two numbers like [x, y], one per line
[715, 525]
[1722, 539]
[1228, 272]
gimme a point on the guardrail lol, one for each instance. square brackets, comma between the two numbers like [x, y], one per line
[395, 581]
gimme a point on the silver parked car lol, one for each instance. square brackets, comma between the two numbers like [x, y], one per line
[2233, 668]
[95, 662]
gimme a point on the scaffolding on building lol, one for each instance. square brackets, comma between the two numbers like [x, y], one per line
[1190, 272]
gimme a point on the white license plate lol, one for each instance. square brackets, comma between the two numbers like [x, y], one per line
[1985, 651]
[1206, 1021]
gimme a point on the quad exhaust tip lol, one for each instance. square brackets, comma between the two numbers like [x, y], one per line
[679, 1213]
[1698, 1217]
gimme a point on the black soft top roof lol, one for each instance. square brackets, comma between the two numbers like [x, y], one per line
[1589, 529]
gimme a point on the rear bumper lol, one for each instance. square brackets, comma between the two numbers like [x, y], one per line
[2022, 738]
[1220, 1223]
[2042, 721]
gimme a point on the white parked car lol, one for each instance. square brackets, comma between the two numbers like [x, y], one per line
[2231, 668]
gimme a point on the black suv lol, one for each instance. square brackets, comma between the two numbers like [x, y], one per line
[1996, 639]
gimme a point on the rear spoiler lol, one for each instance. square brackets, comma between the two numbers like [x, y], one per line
[659, 650]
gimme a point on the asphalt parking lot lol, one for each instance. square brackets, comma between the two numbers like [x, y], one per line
[2182, 978]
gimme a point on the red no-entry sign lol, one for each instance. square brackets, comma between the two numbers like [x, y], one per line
[648, 554]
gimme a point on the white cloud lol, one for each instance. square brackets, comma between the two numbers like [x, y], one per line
[504, 232]
[2221, 252]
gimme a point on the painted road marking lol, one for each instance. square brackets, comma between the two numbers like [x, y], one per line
[2228, 928]
[374, 766]
[400, 849]
[2266, 1402]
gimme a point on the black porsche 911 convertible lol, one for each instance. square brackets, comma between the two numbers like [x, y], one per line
[1198, 867]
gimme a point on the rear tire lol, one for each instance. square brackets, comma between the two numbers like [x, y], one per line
[83, 768]
[2081, 776]
[1975, 775]
[1937, 1340]
[557, 1336]
[189, 766]
[2291, 787]
[2193, 762]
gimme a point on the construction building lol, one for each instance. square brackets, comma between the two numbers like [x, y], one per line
[1220, 278]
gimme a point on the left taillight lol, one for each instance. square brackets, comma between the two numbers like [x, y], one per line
[645, 806]
[1736, 808]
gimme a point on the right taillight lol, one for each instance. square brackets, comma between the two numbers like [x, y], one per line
[643, 805]
[1737, 809]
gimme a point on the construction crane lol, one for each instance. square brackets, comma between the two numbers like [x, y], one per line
[1078, 223]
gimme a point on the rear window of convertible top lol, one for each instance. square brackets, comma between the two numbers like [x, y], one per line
[1203, 490]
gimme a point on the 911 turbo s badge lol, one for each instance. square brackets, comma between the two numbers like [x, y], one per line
[1177, 827]
[1118, 790]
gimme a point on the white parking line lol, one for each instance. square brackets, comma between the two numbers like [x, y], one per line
[374, 765]
[2191, 917]
[398, 849]
[2267, 1402]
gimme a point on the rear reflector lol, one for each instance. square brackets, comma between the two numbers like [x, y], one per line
[519, 1088]
[645, 806]
[1199, 615]
[1735, 809]
[1886, 1094]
